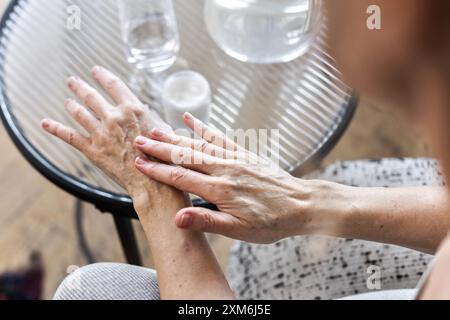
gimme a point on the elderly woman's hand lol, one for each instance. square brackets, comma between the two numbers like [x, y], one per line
[111, 128]
[258, 201]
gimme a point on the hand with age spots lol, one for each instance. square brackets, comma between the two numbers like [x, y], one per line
[109, 145]
[258, 201]
[111, 128]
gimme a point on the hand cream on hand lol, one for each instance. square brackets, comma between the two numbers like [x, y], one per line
[186, 91]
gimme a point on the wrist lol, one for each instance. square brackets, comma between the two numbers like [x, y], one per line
[157, 203]
[324, 208]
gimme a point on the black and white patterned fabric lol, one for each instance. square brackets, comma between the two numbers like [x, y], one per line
[315, 267]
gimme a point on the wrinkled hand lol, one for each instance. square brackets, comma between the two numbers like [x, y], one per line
[112, 129]
[258, 201]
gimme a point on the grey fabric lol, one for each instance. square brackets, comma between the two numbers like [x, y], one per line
[406, 294]
[109, 281]
[315, 267]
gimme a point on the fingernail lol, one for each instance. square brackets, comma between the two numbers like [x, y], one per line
[95, 70]
[188, 116]
[141, 141]
[158, 132]
[186, 220]
[71, 81]
[140, 161]
[45, 124]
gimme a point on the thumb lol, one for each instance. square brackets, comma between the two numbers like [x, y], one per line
[205, 220]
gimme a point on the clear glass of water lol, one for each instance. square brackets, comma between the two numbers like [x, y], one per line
[150, 33]
[264, 31]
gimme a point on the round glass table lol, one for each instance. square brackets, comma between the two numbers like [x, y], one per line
[40, 47]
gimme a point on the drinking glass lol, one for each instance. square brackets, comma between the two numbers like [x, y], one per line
[150, 33]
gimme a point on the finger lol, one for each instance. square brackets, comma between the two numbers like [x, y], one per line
[207, 133]
[177, 177]
[205, 220]
[68, 135]
[194, 144]
[185, 157]
[82, 115]
[115, 87]
[90, 97]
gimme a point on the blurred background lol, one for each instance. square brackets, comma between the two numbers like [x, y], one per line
[38, 238]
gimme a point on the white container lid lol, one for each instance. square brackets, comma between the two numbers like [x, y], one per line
[186, 91]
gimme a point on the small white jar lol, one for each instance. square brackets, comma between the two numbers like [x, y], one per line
[186, 91]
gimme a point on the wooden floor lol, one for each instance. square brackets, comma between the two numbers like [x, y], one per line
[36, 215]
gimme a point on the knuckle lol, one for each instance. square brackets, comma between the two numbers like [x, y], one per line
[208, 221]
[175, 140]
[212, 138]
[150, 167]
[177, 175]
[219, 189]
[216, 139]
[113, 120]
[151, 148]
[139, 111]
[126, 111]
[112, 84]
[134, 108]
[58, 130]
[131, 112]
[181, 155]
[184, 157]
[227, 185]
[82, 88]
[78, 112]
[203, 146]
[102, 139]
[71, 137]
[218, 153]
[90, 99]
